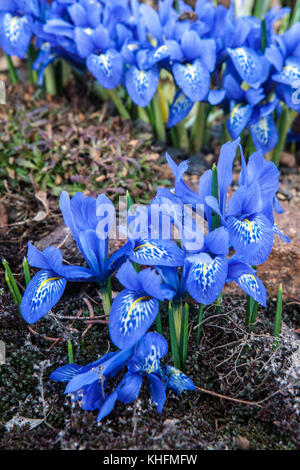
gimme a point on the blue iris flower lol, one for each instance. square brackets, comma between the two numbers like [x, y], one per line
[90, 222]
[144, 362]
[286, 60]
[16, 25]
[135, 308]
[92, 27]
[208, 268]
[89, 384]
[244, 276]
[250, 107]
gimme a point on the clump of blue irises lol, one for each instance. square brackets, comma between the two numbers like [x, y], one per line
[221, 236]
[212, 56]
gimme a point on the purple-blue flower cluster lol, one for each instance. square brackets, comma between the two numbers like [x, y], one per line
[235, 233]
[238, 63]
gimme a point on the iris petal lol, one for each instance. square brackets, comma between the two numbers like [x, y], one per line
[193, 78]
[42, 293]
[141, 84]
[15, 34]
[179, 109]
[252, 238]
[157, 253]
[131, 315]
[107, 68]
[264, 134]
[238, 118]
[65, 373]
[206, 279]
[253, 287]
[252, 67]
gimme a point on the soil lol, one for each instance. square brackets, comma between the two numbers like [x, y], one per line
[257, 406]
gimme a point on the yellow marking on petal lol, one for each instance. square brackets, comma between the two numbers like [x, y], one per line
[12, 24]
[141, 246]
[191, 70]
[235, 110]
[204, 268]
[249, 225]
[245, 86]
[151, 369]
[48, 280]
[134, 303]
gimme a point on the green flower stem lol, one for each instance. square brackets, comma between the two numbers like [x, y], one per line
[182, 136]
[159, 124]
[12, 71]
[31, 55]
[50, 80]
[184, 336]
[100, 92]
[12, 285]
[219, 304]
[253, 314]
[215, 218]
[174, 138]
[142, 114]
[113, 94]
[106, 297]
[261, 8]
[198, 130]
[286, 120]
[248, 310]
[177, 315]
[70, 352]
[199, 322]
[295, 17]
[26, 271]
[173, 339]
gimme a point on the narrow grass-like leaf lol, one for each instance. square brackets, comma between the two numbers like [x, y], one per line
[173, 338]
[70, 352]
[184, 336]
[215, 218]
[12, 285]
[26, 271]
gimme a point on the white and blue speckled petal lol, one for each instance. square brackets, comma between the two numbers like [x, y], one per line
[264, 134]
[15, 34]
[206, 278]
[253, 286]
[193, 79]
[131, 315]
[107, 68]
[157, 253]
[252, 67]
[177, 380]
[179, 109]
[252, 238]
[289, 73]
[141, 84]
[239, 117]
[42, 293]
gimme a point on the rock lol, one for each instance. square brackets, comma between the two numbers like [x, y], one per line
[242, 443]
[288, 159]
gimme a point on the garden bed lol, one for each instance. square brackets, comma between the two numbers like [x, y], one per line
[250, 393]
